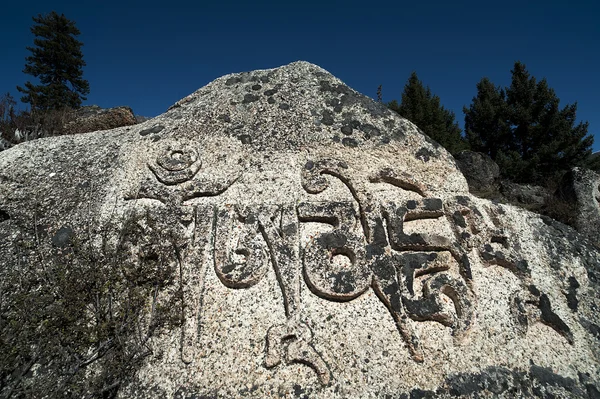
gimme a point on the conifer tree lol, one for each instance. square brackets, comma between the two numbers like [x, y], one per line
[423, 108]
[486, 126]
[524, 130]
[57, 61]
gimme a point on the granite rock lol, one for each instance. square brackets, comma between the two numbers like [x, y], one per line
[324, 248]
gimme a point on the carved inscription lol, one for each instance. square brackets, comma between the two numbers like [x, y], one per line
[418, 276]
[177, 178]
[192, 258]
[240, 252]
[529, 305]
[246, 241]
[378, 253]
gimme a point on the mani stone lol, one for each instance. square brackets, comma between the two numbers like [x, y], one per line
[303, 266]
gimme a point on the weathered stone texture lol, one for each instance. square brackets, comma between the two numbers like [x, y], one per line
[325, 248]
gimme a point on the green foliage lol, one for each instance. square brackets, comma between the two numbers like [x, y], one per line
[523, 129]
[76, 321]
[57, 61]
[423, 108]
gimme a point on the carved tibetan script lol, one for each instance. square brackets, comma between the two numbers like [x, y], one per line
[365, 248]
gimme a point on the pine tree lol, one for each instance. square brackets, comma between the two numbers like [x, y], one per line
[57, 61]
[423, 108]
[523, 129]
[486, 127]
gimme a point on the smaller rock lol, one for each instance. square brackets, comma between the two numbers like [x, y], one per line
[93, 118]
[349, 142]
[347, 130]
[4, 144]
[582, 186]
[526, 195]
[4, 216]
[481, 172]
[249, 98]
[327, 118]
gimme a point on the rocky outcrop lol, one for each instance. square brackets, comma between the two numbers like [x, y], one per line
[277, 234]
[525, 195]
[582, 187]
[92, 118]
[483, 178]
[83, 120]
[4, 144]
[140, 118]
[481, 172]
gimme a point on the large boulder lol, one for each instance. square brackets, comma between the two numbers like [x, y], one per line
[582, 187]
[277, 234]
[481, 172]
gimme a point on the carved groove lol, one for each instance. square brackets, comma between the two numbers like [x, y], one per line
[403, 180]
[243, 264]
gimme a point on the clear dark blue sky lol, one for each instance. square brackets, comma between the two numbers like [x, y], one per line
[149, 54]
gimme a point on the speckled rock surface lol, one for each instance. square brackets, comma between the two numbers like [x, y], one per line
[324, 248]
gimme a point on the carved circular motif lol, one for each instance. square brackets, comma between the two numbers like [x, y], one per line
[175, 160]
[176, 165]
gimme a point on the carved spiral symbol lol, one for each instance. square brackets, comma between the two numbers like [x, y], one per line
[176, 166]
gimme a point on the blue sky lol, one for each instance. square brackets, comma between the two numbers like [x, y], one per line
[148, 55]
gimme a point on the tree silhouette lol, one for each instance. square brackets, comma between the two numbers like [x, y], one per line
[524, 130]
[57, 61]
[423, 108]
